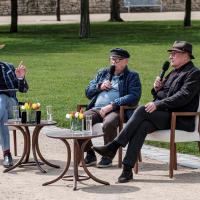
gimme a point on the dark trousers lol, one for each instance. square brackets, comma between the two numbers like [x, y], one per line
[139, 125]
[110, 125]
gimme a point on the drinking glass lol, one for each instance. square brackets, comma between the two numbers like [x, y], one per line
[49, 114]
[16, 114]
[89, 123]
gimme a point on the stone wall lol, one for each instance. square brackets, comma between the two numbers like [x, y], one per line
[31, 7]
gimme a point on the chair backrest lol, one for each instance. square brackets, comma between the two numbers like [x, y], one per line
[197, 117]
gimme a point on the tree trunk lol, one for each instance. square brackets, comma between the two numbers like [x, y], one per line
[14, 16]
[187, 19]
[115, 11]
[85, 20]
[58, 10]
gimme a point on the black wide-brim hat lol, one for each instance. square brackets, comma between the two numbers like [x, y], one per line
[119, 52]
[182, 46]
[2, 46]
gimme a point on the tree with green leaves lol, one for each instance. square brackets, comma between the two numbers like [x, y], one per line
[14, 16]
[115, 11]
[85, 20]
[187, 19]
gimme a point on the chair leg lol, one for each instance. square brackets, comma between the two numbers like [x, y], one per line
[140, 156]
[15, 142]
[175, 157]
[120, 157]
[136, 165]
[171, 162]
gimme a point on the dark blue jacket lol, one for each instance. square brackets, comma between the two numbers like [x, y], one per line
[11, 81]
[129, 89]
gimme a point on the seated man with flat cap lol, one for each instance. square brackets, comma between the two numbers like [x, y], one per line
[178, 92]
[107, 97]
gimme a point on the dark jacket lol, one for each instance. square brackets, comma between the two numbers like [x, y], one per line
[129, 89]
[183, 96]
[11, 81]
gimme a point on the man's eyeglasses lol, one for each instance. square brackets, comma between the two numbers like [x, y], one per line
[117, 60]
[174, 54]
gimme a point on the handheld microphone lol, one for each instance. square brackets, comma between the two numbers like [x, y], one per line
[164, 69]
[111, 72]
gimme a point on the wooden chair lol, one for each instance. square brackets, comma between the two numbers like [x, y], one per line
[12, 128]
[98, 127]
[173, 136]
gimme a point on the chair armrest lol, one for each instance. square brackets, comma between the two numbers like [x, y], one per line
[79, 106]
[129, 107]
[22, 102]
[173, 122]
[121, 114]
[186, 113]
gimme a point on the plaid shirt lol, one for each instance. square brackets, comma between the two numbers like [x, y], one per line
[11, 81]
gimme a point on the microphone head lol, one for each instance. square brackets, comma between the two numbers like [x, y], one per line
[112, 69]
[165, 66]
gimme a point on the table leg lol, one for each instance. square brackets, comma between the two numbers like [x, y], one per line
[39, 153]
[24, 151]
[76, 162]
[34, 138]
[67, 166]
[85, 168]
[28, 144]
[75, 177]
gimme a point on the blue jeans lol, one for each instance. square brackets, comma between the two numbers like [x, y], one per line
[6, 112]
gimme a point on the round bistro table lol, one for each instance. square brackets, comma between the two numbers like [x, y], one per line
[24, 128]
[63, 135]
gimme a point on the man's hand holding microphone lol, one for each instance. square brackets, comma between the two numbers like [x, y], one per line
[158, 84]
[106, 85]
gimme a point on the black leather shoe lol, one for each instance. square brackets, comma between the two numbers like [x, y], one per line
[107, 150]
[125, 176]
[7, 160]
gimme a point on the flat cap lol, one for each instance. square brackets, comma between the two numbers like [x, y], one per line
[119, 52]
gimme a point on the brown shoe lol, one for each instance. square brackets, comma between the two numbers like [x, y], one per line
[107, 150]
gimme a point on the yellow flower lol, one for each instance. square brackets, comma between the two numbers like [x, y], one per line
[26, 106]
[34, 105]
[80, 116]
[70, 116]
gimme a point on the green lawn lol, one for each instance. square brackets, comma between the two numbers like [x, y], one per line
[60, 65]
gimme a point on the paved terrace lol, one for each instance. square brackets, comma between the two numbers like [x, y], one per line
[51, 19]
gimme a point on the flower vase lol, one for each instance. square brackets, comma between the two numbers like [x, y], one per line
[76, 126]
[31, 116]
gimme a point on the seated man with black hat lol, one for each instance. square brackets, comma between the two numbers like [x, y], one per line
[124, 89]
[178, 92]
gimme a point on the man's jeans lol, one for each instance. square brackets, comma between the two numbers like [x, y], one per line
[6, 112]
[139, 125]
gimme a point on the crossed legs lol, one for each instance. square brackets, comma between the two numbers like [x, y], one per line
[139, 125]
